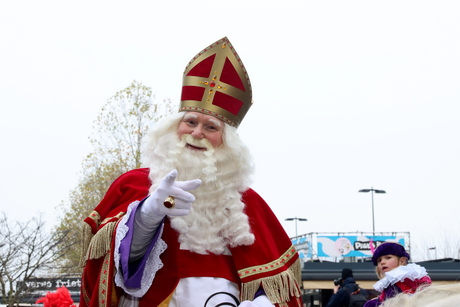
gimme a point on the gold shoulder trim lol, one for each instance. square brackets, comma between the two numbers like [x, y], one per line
[97, 245]
[271, 266]
[279, 288]
[101, 241]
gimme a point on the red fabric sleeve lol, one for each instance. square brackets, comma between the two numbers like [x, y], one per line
[129, 187]
[98, 288]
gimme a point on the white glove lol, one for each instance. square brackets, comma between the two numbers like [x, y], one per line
[153, 206]
[260, 301]
[152, 211]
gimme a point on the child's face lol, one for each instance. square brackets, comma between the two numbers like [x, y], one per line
[387, 263]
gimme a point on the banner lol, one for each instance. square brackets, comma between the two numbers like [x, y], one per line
[303, 247]
[51, 284]
[352, 245]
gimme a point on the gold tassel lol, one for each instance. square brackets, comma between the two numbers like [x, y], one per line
[296, 270]
[101, 241]
[87, 235]
[278, 288]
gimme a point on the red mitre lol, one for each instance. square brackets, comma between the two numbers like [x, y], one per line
[216, 83]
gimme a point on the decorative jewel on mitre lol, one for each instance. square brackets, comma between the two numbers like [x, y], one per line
[216, 83]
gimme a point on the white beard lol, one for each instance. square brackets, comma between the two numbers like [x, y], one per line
[217, 219]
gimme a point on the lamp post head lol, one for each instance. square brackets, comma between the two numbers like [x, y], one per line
[372, 194]
[295, 219]
[373, 190]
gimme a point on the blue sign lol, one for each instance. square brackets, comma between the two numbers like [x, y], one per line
[303, 247]
[352, 246]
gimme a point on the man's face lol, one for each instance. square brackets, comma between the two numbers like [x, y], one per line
[201, 126]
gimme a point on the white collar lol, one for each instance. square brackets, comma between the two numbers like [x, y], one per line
[412, 271]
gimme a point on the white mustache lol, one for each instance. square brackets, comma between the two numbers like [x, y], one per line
[203, 143]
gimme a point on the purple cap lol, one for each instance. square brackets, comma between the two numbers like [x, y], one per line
[389, 248]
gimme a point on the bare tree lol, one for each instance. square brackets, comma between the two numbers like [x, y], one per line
[444, 245]
[25, 250]
[121, 125]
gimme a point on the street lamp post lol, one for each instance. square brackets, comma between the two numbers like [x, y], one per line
[296, 219]
[435, 253]
[372, 190]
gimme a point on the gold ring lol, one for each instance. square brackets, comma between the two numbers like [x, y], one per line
[169, 202]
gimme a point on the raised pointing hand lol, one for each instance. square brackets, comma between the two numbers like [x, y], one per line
[170, 187]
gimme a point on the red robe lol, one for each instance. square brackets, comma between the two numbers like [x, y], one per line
[271, 262]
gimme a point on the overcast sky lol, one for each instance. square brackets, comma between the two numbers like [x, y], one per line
[348, 95]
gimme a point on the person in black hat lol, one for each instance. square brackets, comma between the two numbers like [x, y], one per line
[344, 288]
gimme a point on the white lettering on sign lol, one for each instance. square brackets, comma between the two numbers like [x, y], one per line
[68, 283]
[365, 245]
[52, 283]
[38, 284]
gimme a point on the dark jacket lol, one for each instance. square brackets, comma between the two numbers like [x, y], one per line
[342, 297]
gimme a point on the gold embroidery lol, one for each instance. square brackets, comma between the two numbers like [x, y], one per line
[274, 265]
[95, 217]
[83, 291]
[104, 281]
[117, 217]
